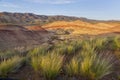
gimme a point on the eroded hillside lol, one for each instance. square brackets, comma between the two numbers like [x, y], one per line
[18, 37]
[80, 27]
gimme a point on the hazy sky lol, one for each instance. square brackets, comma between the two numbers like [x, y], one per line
[93, 9]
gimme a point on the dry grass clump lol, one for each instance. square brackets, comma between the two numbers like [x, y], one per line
[68, 47]
[60, 48]
[115, 43]
[10, 65]
[90, 64]
[50, 64]
[35, 62]
[100, 43]
[102, 66]
[73, 67]
[8, 54]
[85, 59]
[37, 51]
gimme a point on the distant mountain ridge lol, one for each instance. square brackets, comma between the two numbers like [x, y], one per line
[33, 19]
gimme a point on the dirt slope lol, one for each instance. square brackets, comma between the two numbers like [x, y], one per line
[19, 37]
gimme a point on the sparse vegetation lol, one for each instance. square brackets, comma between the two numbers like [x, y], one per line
[10, 65]
[90, 64]
[86, 58]
[73, 67]
[35, 62]
[50, 64]
[95, 66]
[37, 51]
[102, 66]
[115, 43]
[8, 54]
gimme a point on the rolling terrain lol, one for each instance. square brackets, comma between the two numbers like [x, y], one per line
[80, 27]
[39, 47]
[26, 29]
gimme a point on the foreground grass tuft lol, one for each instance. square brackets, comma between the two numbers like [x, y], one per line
[50, 64]
[72, 68]
[89, 63]
[10, 65]
[102, 66]
[115, 43]
[37, 51]
[36, 63]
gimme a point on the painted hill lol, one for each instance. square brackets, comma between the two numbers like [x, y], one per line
[81, 27]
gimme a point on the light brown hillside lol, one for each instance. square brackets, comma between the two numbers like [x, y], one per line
[81, 27]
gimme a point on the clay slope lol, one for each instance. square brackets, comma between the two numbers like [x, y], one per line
[19, 37]
[80, 27]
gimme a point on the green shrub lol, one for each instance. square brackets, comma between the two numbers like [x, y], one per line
[7, 54]
[86, 56]
[102, 66]
[10, 65]
[36, 62]
[95, 65]
[37, 51]
[77, 45]
[66, 49]
[50, 64]
[86, 64]
[90, 64]
[95, 44]
[70, 49]
[61, 50]
[72, 68]
[115, 43]
[87, 48]
[100, 43]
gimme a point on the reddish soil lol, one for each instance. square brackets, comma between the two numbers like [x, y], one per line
[18, 36]
[36, 28]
